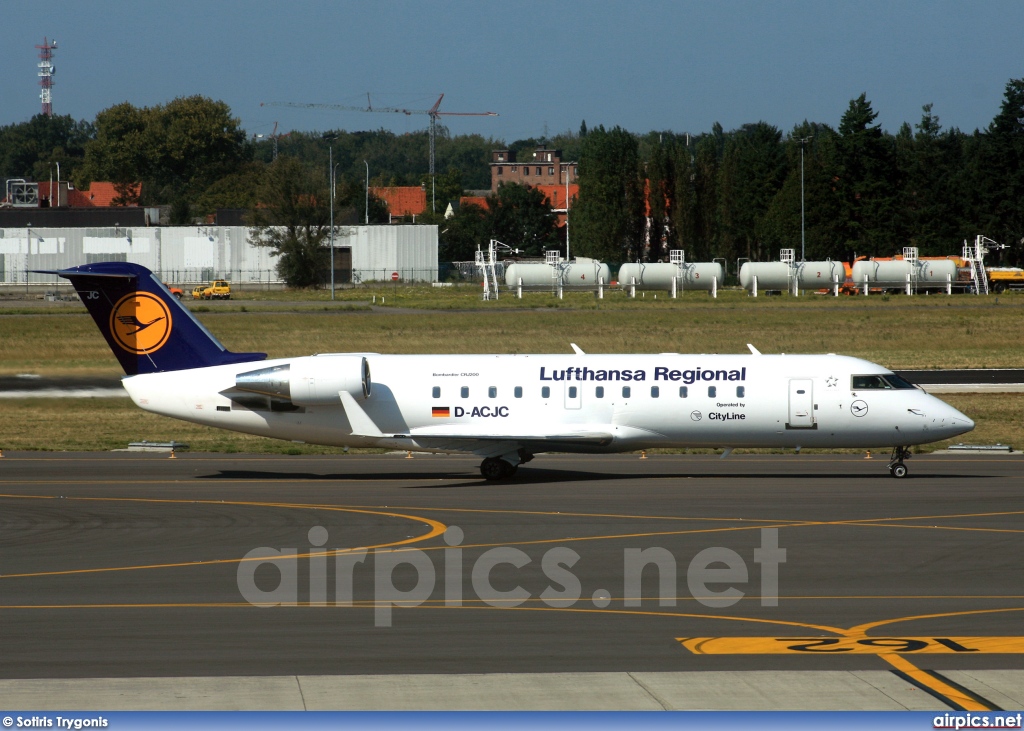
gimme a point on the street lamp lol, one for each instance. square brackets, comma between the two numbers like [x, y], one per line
[803, 142]
[330, 148]
[367, 191]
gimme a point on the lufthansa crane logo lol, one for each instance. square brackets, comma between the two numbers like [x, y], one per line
[140, 323]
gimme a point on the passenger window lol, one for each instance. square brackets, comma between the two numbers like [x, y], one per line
[545, 392]
[625, 392]
[437, 392]
[655, 392]
[518, 392]
[599, 392]
[492, 392]
[741, 391]
[572, 392]
[683, 392]
[712, 391]
[465, 392]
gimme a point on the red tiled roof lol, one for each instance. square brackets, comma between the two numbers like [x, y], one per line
[99, 194]
[556, 193]
[474, 200]
[403, 201]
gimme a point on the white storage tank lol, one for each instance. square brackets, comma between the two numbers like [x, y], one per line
[936, 271]
[818, 274]
[584, 272]
[533, 274]
[773, 275]
[581, 272]
[894, 273]
[658, 275]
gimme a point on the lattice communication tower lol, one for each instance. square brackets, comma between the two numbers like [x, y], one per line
[46, 71]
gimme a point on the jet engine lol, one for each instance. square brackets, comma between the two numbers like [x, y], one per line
[311, 381]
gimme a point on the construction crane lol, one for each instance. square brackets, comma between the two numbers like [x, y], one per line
[274, 136]
[433, 113]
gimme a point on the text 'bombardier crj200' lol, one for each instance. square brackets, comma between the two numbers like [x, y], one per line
[503, 408]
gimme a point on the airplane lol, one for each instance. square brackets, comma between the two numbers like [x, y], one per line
[503, 408]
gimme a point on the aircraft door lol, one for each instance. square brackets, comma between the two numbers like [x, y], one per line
[801, 403]
[573, 396]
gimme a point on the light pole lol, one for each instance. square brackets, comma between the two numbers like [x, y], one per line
[330, 148]
[803, 141]
[367, 219]
[567, 213]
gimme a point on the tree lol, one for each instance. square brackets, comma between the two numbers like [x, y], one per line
[461, 235]
[176, 150]
[779, 227]
[707, 156]
[235, 190]
[998, 174]
[866, 183]
[752, 173]
[608, 219]
[292, 217]
[930, 206]
[521, 217]
[32, 149]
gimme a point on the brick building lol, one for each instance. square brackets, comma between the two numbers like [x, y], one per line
[545, 167]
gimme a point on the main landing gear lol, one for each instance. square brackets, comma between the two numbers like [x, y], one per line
[896, 467]
[494, 469]
[498, 468]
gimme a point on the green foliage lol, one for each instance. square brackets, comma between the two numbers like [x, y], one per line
[866, 184]
[998, 173]
[521, 217]
[236, 190]
[292, 217]
[460, 235]
[607, 220]
[28, 150]
[177, 150]
[717, 194]
[752, 172]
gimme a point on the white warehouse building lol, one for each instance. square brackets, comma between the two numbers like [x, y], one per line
[193, 254]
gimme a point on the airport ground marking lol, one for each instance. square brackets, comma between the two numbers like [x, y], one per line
[436, 528]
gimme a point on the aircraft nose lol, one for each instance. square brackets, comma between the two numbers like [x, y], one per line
[955, 422]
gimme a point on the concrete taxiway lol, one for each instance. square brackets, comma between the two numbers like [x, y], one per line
[677, 581]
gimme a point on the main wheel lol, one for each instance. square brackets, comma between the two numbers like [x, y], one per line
[494, 469]
[898, 470]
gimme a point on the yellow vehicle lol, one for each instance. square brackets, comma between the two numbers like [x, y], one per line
[1001, 279]
[216, 290]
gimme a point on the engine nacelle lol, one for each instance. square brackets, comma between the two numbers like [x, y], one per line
[311, 381]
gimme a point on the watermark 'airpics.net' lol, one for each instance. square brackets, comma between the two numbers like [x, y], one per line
[713, 575]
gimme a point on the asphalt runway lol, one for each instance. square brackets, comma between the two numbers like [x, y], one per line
[140, 566]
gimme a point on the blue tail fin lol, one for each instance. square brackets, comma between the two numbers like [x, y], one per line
[144, 324]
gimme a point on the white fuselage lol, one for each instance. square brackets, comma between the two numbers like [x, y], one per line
[488, 404]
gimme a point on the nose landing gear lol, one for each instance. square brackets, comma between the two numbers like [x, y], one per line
[896, 467]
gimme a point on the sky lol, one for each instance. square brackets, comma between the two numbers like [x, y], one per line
[543, 66]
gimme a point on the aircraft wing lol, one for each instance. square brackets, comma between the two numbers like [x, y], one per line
[538, 438]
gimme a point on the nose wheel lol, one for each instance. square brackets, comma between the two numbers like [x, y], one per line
[896, 467]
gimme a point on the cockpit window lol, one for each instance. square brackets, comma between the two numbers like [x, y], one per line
[875, 382]
[864, 383]
[897, 382]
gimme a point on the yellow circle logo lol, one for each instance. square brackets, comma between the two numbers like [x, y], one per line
[140, 322]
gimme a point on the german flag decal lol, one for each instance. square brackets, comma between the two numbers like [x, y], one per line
[442, 412]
